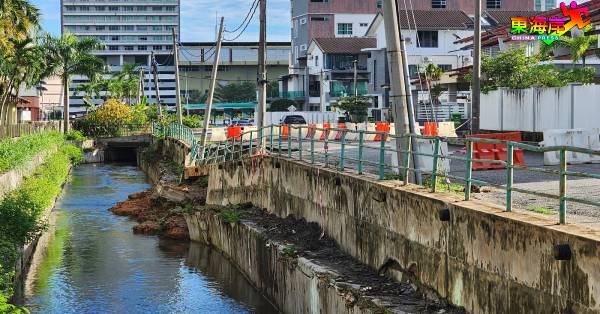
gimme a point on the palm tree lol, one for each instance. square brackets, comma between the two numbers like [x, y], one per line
[18, 18]
[579, 45]
[73, 56]
[91, 90]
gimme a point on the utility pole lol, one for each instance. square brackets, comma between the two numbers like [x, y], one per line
[177, 90]
[155, 72]
[355, 62]
[140, 86]
[211, 89]
[411, 114]
[398, 97]
[322, 92]
[262, 73]
[476, 84]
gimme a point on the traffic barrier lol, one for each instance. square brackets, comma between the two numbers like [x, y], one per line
[325, 132]
[425, 163]
[285, 131]
[312, 128]
[246, 130]
[446, 129]
[491, 151]
[234, 131]
[566, 137]
[337, 135]
[352, 135]
[381, 127]
[595, 144]
[370, 127]
[218, 134]
[430, 129]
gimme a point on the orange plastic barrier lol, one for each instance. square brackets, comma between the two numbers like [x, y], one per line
[496, 151]
[326, 127]
[430, 129]
[340, 126]
[234, 131]
[381, 127]
[312, 129]
[285, 131]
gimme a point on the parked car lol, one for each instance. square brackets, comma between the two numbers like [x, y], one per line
[293, 119]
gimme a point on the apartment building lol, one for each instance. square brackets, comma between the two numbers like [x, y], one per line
[130, 30]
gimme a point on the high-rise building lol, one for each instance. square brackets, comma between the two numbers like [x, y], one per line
[130, 30]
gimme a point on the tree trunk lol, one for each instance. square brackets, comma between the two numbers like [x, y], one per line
[4, 103]
[65, 81]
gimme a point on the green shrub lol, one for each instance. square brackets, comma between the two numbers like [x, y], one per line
[75, 135]
[230, 216]
[16, 153]
[192, 121]
[21, 212]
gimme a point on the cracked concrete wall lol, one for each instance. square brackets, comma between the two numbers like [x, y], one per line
[483, 259]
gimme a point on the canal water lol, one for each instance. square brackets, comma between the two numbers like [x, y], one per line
[93, 263]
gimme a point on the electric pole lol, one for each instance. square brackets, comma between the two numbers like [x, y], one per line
[355, 62]
[476, 84]
[177, 90]
[398, 97]
[262, 72]
[141, 86]
[155, 72]
[211, 89]
[411, 114]
[322, 92]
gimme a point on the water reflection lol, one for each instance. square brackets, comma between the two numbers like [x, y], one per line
[94, 263]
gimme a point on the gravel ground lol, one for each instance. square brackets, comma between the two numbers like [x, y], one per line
[584, 188]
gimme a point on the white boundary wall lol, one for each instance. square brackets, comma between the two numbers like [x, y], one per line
[541, 109]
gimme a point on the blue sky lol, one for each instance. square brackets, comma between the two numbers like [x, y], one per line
[198, 18]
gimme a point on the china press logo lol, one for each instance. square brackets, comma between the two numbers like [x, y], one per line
[549, 29]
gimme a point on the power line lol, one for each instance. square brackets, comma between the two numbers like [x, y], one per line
[245, 26]
[253, 7]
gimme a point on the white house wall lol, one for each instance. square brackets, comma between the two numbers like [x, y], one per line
[356, 20]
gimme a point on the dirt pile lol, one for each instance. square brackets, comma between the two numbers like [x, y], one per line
[155, 215]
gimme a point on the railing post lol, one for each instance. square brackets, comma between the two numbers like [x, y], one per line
[232, 148]
[289, 141]
[436, 153]
[407, 160]
[563, 187]
[509, 175]
[361, 142]
[468, 171]
[312, 146]
[326, 147]
[343, 150]
[279, 139]
[225, 150]
[382, 158]
[241, 146]
[300, 143]
[271, 139]
[251, 139]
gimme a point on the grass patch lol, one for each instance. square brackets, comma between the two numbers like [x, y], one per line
[542, 210]
[393, 176]
[290, 251]
[75, 135]
[21, 210]
[444, 185]
[14, 153]
[231, 216]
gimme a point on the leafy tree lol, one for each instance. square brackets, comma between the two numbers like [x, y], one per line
[273, 89]
[280, 105]
[18, 18]
[579, 45]
[356, 106]
[432, 73]
[73, 56]
[243, 92]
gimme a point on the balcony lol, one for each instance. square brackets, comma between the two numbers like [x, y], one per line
[342, 89]
[292, 95]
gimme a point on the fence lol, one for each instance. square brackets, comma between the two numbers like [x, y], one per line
[441, 112]
[366, 154]
[16, 130]
[540, 109]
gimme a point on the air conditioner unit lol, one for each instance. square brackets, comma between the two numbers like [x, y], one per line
[467, 59]
[426, 59]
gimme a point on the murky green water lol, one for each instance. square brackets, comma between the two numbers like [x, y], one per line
[94, 264]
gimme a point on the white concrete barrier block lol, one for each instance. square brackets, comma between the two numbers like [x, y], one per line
[566, 137]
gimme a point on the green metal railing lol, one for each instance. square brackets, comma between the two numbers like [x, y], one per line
[350, 151]
[292, 95]
[177, 131]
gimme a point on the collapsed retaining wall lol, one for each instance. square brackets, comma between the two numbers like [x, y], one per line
[474, 255]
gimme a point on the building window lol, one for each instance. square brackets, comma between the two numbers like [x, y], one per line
[445, 67]
[142, 48]
[316, 61]
[413, 71]
[319, 18]
[128, 48]
[113, 27]
[364, 24]
[493, 4]
[303, 47]
[344, 28]
[156, 48]
[428, 39]
[319, 0]
[438, 4]
[113, 48]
